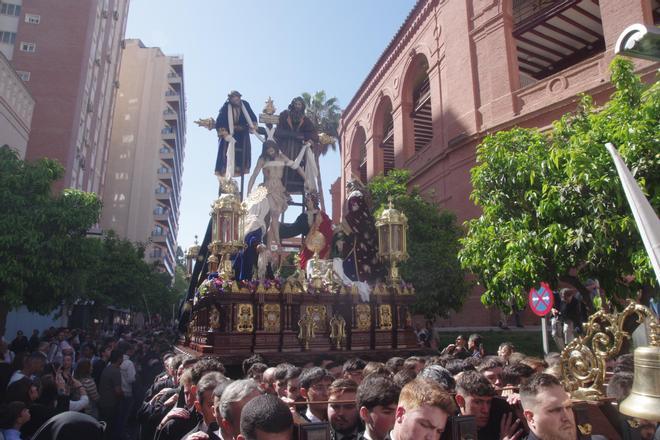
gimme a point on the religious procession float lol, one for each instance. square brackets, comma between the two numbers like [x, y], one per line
[344, 292]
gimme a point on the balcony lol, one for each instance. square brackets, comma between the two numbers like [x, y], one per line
[173, 78]
[159, 236]
[161, 214]
[166, 154]
[171, 95]
[164, 173]
[552, 35]
[163, 196]
[170, 115]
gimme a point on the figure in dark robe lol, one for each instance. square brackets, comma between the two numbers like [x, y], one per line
[360, 245]
[236, 119]
[293, 130]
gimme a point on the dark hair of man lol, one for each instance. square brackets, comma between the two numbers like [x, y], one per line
[9, 413]
[515, 374]
[292, 373]
[311, 376]
[83, 369]
[377, 390]
[332, 365]
[281, 371]
[620, 385]
[625, 362]
[456, 366]
[377, 368]
[267, 414]
[403, 377]
[535, 385]
[188, 362]
[256, 358]
[507, 344]
[116, 355]
[219, 389]
[473, 383]
[476, 338]
[341, 386]
[256, 370]
[209, 382]
[353, 364]
[412, 362]
[489, 363]
[439, 375]
[395, 364]
[205, 365]
[175, 362]
[19, 391]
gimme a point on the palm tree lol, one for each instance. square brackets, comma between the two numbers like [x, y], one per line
[325, 114]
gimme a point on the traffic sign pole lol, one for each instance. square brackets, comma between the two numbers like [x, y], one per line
[541, 302]
[544, 332]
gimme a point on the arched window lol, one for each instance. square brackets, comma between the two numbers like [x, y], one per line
[359, 153]
[417, 105]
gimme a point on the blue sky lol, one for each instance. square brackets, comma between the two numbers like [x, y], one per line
[261, 48]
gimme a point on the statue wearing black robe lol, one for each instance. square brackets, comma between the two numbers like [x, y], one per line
[294, 129]
[242, 152]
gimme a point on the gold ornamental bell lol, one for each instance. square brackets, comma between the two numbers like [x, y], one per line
[644, 400]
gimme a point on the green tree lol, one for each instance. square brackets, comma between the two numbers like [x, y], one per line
[433, 244]
[119, 276]
[553, 206]
[42, 235]
[324, 114]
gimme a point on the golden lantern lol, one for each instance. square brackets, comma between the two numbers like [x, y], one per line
[227, 230]
[191, 256]
[392, 227]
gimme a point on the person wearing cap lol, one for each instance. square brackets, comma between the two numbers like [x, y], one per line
[235, 121]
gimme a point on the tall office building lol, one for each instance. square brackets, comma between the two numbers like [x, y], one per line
[143, 187]
[67, 53]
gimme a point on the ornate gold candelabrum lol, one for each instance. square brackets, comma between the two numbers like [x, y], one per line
[228, 229]
[392, 227]
[583, 360]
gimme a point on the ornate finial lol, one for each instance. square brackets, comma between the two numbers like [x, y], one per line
[196, 241]
[208, 123]
[269, 109]
[389, 201]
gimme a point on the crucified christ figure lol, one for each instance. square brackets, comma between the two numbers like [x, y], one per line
[272, 161]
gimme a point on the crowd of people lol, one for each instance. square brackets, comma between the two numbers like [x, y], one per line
[63, 384]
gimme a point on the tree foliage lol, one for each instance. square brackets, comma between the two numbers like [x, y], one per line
[324, 113]
[46, 258]
[553, 206]
[433, 244]
[42, 235]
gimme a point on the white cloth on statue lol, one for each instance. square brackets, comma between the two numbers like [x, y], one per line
[364, 290]
[231, 149]
[257, 209]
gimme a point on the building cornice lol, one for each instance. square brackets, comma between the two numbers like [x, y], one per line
[406, 31]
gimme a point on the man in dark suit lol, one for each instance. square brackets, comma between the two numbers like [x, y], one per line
[547, 408]
[314, 384]
[377, 398]
[342, 410]
[204, 404]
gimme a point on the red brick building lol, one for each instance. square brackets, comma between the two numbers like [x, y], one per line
[458, 70]
[67, 52]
